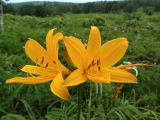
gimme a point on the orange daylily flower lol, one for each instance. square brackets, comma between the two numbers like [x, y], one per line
[95, 63]
[48, 65]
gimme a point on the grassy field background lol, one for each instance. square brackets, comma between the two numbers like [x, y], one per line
[36, 102]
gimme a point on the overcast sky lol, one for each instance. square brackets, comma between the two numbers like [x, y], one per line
[75, 1]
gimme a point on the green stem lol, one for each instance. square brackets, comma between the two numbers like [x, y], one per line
[78, 102]
[89, 103]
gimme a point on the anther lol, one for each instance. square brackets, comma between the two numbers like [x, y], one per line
[89, 66]
[46, 65]
[93, 63]
[98, 61]
[99, 68]
[42, 60]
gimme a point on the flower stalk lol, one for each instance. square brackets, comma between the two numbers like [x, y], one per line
[78, 102]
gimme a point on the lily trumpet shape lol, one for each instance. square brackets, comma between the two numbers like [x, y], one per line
[48, 67]
[95, 63]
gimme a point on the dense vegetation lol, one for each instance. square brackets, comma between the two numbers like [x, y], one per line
[36, 102]
[43, 9]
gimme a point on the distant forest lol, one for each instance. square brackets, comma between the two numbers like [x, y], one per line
[43, 9]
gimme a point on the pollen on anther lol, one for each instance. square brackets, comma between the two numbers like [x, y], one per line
[92, 62]
[46, 65]
[99, 68]
[42, 60]
[98, 61]
[89, 66]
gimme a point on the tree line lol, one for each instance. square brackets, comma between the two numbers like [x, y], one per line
[43, 9]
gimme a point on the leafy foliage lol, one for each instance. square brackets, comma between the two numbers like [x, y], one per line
[135, 102]
[12, 117]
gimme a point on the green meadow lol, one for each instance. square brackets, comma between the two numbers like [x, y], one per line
[36, 102]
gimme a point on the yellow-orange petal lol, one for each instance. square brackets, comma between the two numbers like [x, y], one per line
[76, 51]
[112, 51]
[122, 76]
[94, 42]
[66, 56]
[40, 70]
[37, 53]
[58, 89]
[49, 42]
[29, 80]
[99, 79]
[53, 49]
[52, 44]
[75, 78]
[102, 76]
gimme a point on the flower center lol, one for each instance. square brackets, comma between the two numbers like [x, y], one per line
[94, 67]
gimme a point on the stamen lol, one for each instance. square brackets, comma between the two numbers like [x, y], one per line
[98, 61]
[42, 60]
[54, 62]
[94, 67]
[46, 65]
[89, 66]
[93, 63]
[99, 68]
